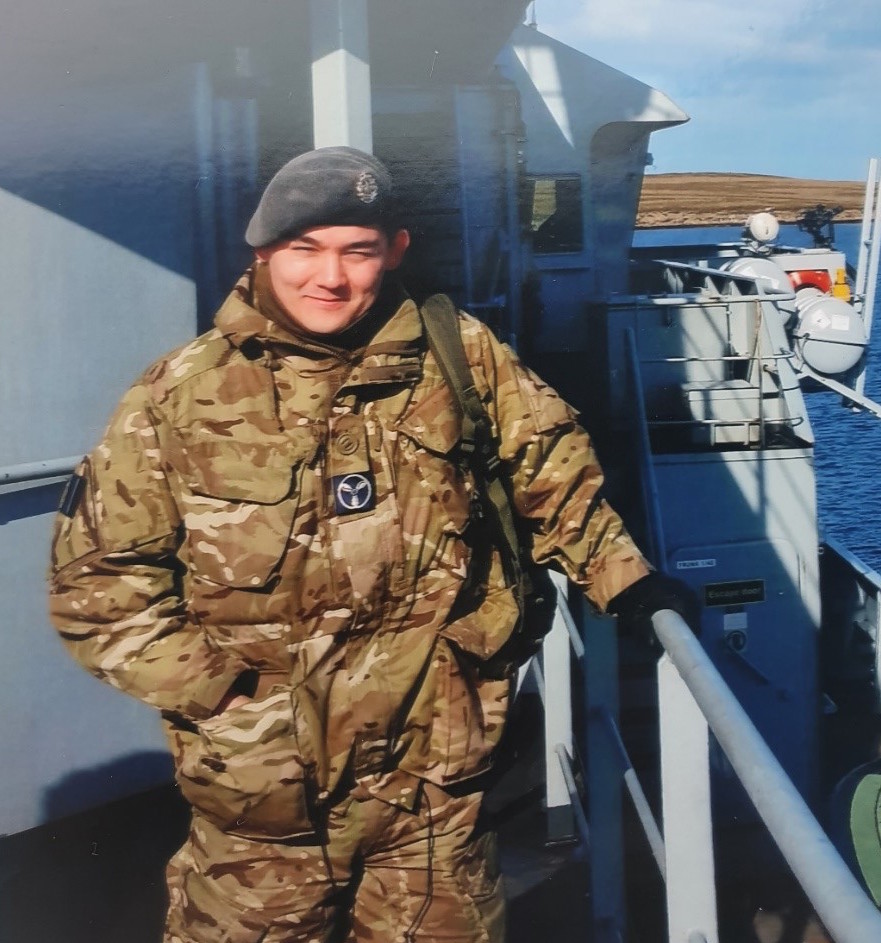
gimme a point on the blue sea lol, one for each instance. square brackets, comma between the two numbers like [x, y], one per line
[848, 444]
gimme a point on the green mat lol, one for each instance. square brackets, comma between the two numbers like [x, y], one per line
[865, 831]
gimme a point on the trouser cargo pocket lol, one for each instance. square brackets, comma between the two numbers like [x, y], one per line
[243, 769]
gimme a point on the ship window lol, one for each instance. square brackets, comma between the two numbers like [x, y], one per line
[553, 214]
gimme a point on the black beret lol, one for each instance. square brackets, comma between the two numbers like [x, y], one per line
[331, 186]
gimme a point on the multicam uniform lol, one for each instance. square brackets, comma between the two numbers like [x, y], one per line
[263, 502]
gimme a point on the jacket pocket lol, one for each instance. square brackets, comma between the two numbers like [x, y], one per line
[468, 717]
[239, 504]
[243, 769]
[482, 632]
[434, 491]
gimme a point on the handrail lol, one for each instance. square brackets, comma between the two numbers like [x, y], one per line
[835, 894]
[694, 299]
[30, 471]
[722, 358]
[574, 798]
[655, 527]
[637, 795]
[864, 571]
[846, 392]
[869, 258]
[792, 421]
[870, 582]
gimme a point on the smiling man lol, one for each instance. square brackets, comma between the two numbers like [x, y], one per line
[278, 545]
[327, 278]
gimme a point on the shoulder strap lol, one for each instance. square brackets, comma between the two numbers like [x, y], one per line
[480, 451]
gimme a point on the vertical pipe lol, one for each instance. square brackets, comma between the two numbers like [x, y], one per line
[651, 499]
[341, 103]
[511, 131]
[250, 132]
[207, 282]
[227, 188]
[462, 160]
[876, 600]
[866, 228]
[688, 825]
[558, 719]
[249, 127]
[867, 267]
[874, 255]
[603, 778]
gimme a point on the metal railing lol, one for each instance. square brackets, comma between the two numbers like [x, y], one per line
[868, 258]
[693, 700]
[833, 891]
[769, 356]
[35, 471]
[866, 582]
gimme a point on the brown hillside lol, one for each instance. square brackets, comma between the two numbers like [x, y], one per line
[713, 199]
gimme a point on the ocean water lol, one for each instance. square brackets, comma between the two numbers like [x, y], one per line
[848, 444]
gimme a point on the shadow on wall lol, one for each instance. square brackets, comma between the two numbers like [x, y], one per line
[149, 165]
[96, 877]
[122, 776]
[30, 502]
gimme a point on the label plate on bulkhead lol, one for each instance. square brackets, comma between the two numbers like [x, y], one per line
[735, 593]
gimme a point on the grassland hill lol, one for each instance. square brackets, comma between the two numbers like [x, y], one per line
[717, 199]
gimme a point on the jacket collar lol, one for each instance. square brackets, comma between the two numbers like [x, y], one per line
[392, 355]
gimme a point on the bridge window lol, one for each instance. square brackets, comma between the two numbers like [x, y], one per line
[553, 213]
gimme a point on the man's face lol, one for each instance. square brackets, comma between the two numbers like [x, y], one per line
[327, 277]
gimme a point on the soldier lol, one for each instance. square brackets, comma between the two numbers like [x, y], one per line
[271, 546]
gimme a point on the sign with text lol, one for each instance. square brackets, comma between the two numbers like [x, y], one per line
[735, 593]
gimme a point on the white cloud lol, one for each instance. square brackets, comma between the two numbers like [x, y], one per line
[747, 72]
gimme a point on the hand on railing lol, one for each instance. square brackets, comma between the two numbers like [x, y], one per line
[636, 605]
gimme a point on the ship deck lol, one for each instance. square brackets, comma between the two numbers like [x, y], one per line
[97, 877]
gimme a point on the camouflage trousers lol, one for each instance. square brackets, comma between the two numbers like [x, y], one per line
[383, 875]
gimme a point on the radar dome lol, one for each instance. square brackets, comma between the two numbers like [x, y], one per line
[763, 227]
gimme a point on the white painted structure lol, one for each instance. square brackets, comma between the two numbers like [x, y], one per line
[586, 119]
[341, 109]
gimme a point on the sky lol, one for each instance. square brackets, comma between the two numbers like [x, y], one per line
[787, 87]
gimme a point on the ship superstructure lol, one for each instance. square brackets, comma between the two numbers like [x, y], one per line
[124, 193]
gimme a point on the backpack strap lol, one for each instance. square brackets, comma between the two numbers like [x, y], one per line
[479, 449]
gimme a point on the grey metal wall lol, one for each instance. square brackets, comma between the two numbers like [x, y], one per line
[751, 516]
[446, 149]
[97, 268]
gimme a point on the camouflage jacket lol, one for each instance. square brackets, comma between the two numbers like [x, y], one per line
[262, 503]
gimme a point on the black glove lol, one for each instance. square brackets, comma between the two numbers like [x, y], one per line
[636, 605]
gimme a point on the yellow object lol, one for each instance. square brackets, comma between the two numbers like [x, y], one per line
[841, 289]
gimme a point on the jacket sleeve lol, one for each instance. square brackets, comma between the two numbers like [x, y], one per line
[555, 479]
[115, 578]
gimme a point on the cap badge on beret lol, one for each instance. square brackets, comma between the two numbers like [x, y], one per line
[366, 187]
[330, 186]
